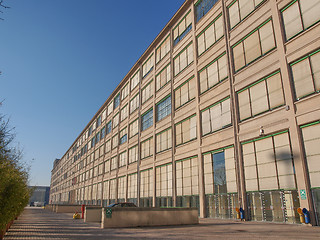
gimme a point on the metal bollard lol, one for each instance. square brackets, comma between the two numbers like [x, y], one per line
[83, 207]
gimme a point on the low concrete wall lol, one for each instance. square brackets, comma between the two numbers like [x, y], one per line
[92, 214]
[48, 207]
[135, 217]
[67, 208]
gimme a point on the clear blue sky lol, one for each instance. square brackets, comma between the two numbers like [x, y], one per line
[60, 60]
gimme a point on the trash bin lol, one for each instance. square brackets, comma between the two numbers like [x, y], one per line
[306, 215]
[299, 210]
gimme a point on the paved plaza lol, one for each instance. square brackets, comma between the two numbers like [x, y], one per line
[37, 223]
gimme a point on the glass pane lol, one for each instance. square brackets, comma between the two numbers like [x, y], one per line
[292, 20]
[275, 91]
[246, 7]
[259, 101]
[252, 47]
[244, 104]
[310, 12]
[234, 14]
[302, 78]
[315, 64]
[238, 56]
[267, 38]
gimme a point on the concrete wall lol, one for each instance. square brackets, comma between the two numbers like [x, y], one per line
[135, 217]
[67, 208]
[92, 214]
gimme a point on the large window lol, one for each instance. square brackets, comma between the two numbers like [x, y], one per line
[133, 154]
[184, 93]
[163, 49]
[110, 108]
[186, 130]
[240, 9]
[134, 128]
[116, 101]
[108, 127]
[123, 136]
[202, 7]
[216, 117]
[115, 120]
[183, 59]
[147, 66]
[135, 80]
[103, 117]
[306, 74]
[134, 103]
[299, 15]
[122, 182]
[164, 140]
[114, 162]
[125, 91]
[214, 73]
[147, 92]
[263, 95]
[133, 188]
[164, 185]
[107, 166]
[210, 35]
[147, 119]
[123, 159]
[256, 44]
[115, 141]
[113, 189]
[163, 77]
[163, 108]
[182, 28]
[147, 148]
[108, 146]
[146, 188]
[124, 113]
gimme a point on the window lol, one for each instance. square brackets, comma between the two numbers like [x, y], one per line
[132, 188]
[90, 131]
[186, 130]
[164, 185]
[123, 159]
[147, 66]
[147, 148]
[103, 132]
[114, 163]
[182, 28]
[98, 137]
[101, 150]
[147, 120]
[216, 117]
[124, 113]
[163, 108]
[147, 92]
[164, 140]
[299, 15]
[263, 95]
[202, 7]
[99, 121]
[116, 101]
[125, 91]
[210, 35]
[134, 103]
[183, 59]
[107, 166]
[113, 189]
[163, 77]
[240, 9]
[110, 108]
[115, 141]
[163, 49]
[184, 93]
[122, 188]
[104, 115]
[123, 136]
[135, 80]
[133, 154]
[93, 141]
[146, 187]
[256, 44]
[115, 120]
[105, 191]
[306, 75]
[108, 127]
[214, 73]
[134, 128]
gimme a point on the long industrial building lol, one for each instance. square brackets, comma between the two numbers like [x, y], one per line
[220, 112]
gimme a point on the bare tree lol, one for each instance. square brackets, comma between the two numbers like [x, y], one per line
[1, 7]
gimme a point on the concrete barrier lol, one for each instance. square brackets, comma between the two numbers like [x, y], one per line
[67, 208]
[136, 217]
[92, 214]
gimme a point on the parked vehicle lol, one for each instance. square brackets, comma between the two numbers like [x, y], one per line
[123, 204]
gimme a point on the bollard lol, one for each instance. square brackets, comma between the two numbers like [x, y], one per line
[238, 213]
[299, 210]
[83, 207]
[306, 215]
[241, 214]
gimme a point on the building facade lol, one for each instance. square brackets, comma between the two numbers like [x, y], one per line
[220, 112]
[40, 196]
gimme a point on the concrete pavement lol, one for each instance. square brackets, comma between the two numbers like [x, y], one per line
[37, 223]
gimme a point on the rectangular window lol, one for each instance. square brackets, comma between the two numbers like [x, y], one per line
[147, 148]
[134, 103]
[124, 113]
[268, 163]
[210, 35]
[214, 73]
[106, 190]
[108, 127]
[306, 75]
[115, 141]
[125, 91]
[146, 187]
[216, 117]
[115, 120]
[104, 115]
[186, 130]
[135, 80]
[263, 95]
[133, 154]
[163, 49]
[299, 15]
[123, 159]
[164, 185]
[184, 93]
[103, 132]
[147, 92]
[163, 108]
[164, 140]
[163, 77]
[202, 7]
[240, 9]
[123, 136]
[183, 59]
[99, 121]
[147, 120]
[107, 166]
[147, 66]
[133, 187]
[182, 28]
[134, 128]
[122, 188]
[116, 101]
[256, 44]
[114, 163]
[110, 108]
[113, 189]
